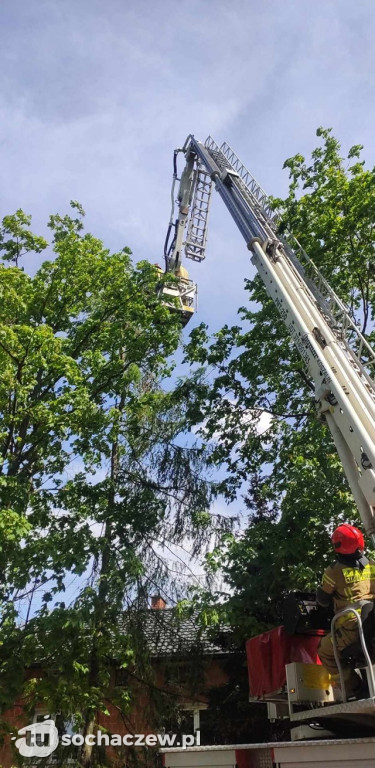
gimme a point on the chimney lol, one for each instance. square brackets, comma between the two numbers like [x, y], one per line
[157, 603]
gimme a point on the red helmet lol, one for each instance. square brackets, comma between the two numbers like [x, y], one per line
[346, 539]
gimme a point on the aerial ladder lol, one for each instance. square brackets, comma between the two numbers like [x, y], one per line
[336, 355]
[194, 196]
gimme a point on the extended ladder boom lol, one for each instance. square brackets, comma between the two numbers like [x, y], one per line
[337, 357]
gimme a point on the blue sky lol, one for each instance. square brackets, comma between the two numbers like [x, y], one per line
[95, 95]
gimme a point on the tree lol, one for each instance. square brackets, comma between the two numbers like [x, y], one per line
[96, 478]
[258, 407]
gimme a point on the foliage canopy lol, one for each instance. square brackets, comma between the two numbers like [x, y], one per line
[97, 480]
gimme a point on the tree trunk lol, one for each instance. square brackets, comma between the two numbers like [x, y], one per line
[88, 751]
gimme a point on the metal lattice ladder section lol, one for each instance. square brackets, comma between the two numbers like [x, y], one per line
[195, 243]
[330, 305]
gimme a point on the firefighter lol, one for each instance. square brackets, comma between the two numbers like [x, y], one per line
[350, 581]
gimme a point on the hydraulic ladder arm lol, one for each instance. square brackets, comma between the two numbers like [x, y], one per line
[337, 357]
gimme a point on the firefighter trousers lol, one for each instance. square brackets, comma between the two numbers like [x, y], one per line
[345, 635]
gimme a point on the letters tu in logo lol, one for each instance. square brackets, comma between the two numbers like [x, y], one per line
[38, 739]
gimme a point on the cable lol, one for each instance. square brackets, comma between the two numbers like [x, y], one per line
[167, 251]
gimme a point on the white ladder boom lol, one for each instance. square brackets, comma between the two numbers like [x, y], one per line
[337, 356]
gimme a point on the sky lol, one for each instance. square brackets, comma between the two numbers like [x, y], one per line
[96, 94]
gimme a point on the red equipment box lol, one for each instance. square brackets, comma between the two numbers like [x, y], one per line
[268, 653]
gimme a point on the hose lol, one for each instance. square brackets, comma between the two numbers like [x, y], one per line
[167, 251]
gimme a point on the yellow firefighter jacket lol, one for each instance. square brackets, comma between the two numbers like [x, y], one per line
[349, 585]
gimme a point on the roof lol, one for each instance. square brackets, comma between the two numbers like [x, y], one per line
[168, 634]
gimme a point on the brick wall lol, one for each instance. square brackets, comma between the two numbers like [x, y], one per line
[138, 720]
